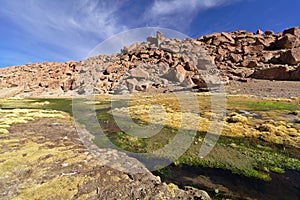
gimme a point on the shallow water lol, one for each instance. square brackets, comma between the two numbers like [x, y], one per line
[229, 185]
[233, 186]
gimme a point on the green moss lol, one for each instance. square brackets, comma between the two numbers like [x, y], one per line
[163, 172]
[241, 155]
[277, 170]
[263, 105]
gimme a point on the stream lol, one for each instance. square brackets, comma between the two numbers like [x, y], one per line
[221, 183]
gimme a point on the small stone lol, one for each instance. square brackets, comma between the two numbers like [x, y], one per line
[259, 32]
[144, 56]
[269, 32]
[235, 118]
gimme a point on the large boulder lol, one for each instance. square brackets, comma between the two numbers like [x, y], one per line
[291, 57]
[287, 41]
[176, 74]
[294, 31]
[295, 74]
[139, 73]
[281, 72]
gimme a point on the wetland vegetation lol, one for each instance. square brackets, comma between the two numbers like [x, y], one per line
[259, 138]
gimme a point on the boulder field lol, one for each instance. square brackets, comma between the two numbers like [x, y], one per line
[164, 65]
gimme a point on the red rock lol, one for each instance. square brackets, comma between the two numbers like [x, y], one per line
[295, 74]
[287, 41]
[219, 40]
[235, 58]
[189, 67]
[144, 56]
[221, 51]
[294, 31]
[249, 63]
[260, 41]
[274, 73]
[269, 32]
[291, 56]
[253, 49]
[112, 68]
[228, 37]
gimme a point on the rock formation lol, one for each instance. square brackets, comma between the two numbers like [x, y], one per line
[243, 54]
[161, 64]
[47, 78]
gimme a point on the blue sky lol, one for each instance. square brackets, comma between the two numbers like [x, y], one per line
[61, 30]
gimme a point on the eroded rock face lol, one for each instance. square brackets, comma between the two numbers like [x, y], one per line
[161, 65]
[47, 78]
[265, 53]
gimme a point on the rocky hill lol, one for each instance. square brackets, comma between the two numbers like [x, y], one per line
[162, 64]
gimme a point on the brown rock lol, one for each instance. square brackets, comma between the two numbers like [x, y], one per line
[221, 51]
[269, 32]
[295, 75]
[231, 48]
[69, 72]
[235, 58]
[176, 74]
[274, 73]
[112, 68]
[219, 40]
[249, 63]
[156, 40]
[291, 56]
[67, 84]
[139, 73]
[287, 41]
[168, 57]
[228, 37]
[163, 67]
[294, 31]
[125, 57]
[133, 58]
[209, 37]
[253, 49]
[242, 72]
[265, 56]
[260, 41]
[144, 56]
[127, 49]
[259, 32]
[189, 67]
[188, 81]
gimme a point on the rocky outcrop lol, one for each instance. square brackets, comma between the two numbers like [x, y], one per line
[48, 78]
[262, 55]
[162, 64]
[158, 65]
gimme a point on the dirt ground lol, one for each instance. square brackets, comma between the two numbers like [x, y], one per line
[45, 159]
[265, 88]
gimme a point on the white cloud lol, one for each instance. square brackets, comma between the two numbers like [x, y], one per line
[75, 26]
[61, 30]
[179, 13]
